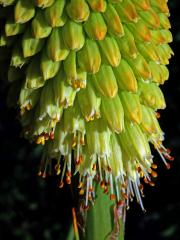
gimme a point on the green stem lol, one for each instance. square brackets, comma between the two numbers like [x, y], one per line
[101, 222]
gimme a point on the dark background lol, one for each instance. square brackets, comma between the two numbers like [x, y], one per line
[32, 208]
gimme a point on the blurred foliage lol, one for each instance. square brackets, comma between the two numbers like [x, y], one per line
[32, 208]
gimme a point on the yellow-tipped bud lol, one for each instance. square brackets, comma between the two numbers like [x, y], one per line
[24, 11]
[31, 45]
[127, 11]
[97, 5]
[127, 44]
[95, 26]
[48, 68]
[89, 58]
[105, 81]
[140, 67]
[89, 102]
[110, 51]
[125, 77]
[114, 118]
[131, 105]
[54, 14]
[40, 27]
[56, 49]
[151, 95]
[73, 35]
[44, 3]
[113, 21]
[78, 10]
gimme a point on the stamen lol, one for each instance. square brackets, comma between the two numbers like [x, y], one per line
[100, 172]
[154, 166]
[162, 157]
[112, 195]
[117, 190]
[138, 195]
[130, 187]
[63, 172]
[87, 191]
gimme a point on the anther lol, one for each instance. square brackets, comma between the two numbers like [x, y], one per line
[120, 203]
[124, 195]
[154, 166]
[91, 189]
[112, 197]
[154, 174]
[168, 166]
[68, 180]
[146, 180]
[80, 185]
[109, 168]
[39, 173]
[158, 115]
[51, 135]
[102, 184]
[86, 207]
[152, 184]
[44, 175]
[81, 192]
[46, 136]
[106, 190]
[61, 184]
[94, 167]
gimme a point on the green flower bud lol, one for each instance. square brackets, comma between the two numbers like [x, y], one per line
[110, 51]
[151, 95]
[78, 10]
[54, 14]
[105, 81]
[17, 58]
[44, 3]
[23, 11]
[30, 45]
[95, 26]
[140, 67]
[73, 35]
[113, 21]
[89, 103]
[12, 28]
[127, 11]
[114, 118]
[97, 5]
[150, 124]
[48, 68]
[89, 58]
[151, 18]
[64, 94]
[131, 105]
[125, 77]
[127, 44]
[40, 28]
[56, 49]
[7, 2]
[34, 79]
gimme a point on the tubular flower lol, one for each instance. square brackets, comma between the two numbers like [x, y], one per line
[88, 74]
